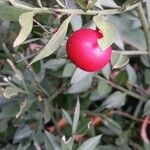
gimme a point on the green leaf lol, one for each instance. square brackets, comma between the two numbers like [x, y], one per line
[21, 4]
[80, 86]
[47, 113]
[121, 78]
[53, 140]
[24, 106]
[108, 30]
[41, 74]
[54, 42]
[90, 143]
[90, 4]
[134, 37]
[23, 147]
[118, 60]
[123, 138]
[146, 146]
[67, 145]
[67, 117]
[21, 133]
[85, 101]
[132, 76]
[106, 71]
[146, 110]
[130, 2]
[145, 60]
[48, 145]
[19, 74]
[10, 13]
[11, 91]
[107, 3]
[54, 64]
[82, 3]
[115, 100]
[83, 126]
[80, 75]
[106, 147]
[26, 22]
[147, 76]
[9, 110]
[3, 125]
[103, 88]
[76, 117]
[86, 4]
[68, 70]
[113, 125]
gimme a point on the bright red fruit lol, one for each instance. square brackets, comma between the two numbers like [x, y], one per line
[83, 50]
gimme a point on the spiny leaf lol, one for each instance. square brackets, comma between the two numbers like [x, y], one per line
[54, 42]
[26, 22]
[79, 75]
[115, 100]
[76, 117]
[67, 144]
[67, 116]
[90, 144]
[119, 60]
[108, 30]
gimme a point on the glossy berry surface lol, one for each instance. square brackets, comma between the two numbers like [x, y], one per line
[83, 50]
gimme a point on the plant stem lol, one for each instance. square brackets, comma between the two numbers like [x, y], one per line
[132, 52]
[147, 10]
[136, 113]
[76, 11]
[130, 93]
[92, 12]
[145, 25]
[38, 23]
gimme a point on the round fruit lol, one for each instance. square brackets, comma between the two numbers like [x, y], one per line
[83, 50]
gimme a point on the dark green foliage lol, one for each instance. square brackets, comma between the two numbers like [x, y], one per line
[51, 104]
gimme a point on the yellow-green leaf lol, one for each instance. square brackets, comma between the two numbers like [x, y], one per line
[108, 30]
[26, 22]
[54, 42]
[119, 60]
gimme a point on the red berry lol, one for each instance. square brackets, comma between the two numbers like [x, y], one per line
[83, 50]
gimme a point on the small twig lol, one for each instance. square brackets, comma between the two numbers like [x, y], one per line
[136, 113]
[145, 25]
[8, 53]
[93, 12]
[147, 10]
[139, 88]
[79, 11]
[127, 115]
[41, 26]
[130, 93]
